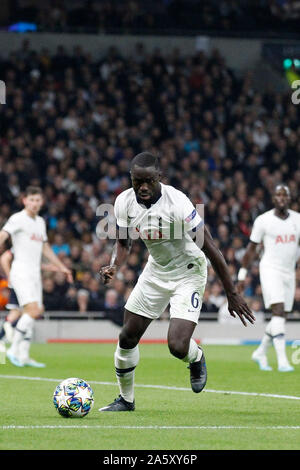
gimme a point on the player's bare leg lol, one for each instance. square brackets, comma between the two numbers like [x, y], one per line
[18, 353]
[182, 346]
[13, 315]
[126, 360]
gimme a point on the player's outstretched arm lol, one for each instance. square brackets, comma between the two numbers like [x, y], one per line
[6, 260]
[236, 303]
[119, 256]
[51, 256]
[50, 268]
[248, 258]
[3, 237]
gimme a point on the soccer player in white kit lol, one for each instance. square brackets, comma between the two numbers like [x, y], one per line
[29, 240]
[175, 273]
[279, 231]
[15, 311]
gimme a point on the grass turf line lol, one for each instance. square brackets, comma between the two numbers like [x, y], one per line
[210, 421]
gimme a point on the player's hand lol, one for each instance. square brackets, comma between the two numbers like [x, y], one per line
[68, 273]
[240, 286]
[107, 273]
[238, 306]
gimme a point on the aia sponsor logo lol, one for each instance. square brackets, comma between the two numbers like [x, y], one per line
[285, 239]
[36, 237]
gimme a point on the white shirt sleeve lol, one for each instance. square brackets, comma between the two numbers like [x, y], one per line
[258, 231]
[45, 237]
[120, 212]
[190, 216]
[12, 225]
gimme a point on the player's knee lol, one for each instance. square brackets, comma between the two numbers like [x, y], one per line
[178, 348]
[34, 310]
[127, 339]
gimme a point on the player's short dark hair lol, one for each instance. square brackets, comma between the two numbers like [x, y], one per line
[32, 190]
[282, 185]
[145, 160]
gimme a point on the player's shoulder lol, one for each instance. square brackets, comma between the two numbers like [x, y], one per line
[295, 215]
[173, 193]
[265, 215]
[125, 196]
[17, 216]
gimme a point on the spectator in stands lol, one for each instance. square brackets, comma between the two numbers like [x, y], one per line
[51, 297]
[75, 134]
[83, 300]
[208, 305]
[216, 297]
[69, 302]
[112, 307]
[59, 246]
[257, 309]
[135, 17]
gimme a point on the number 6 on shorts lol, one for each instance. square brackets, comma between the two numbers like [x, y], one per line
[195, 299]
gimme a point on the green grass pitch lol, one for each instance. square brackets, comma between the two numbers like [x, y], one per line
[165, 418]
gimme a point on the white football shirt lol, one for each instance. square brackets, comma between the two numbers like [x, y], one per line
[280, 239]
[163, 227]
[27, 235]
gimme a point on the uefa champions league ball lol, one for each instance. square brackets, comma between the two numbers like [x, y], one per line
[73, 398]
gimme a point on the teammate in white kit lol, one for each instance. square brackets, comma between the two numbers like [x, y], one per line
[15, 311]
[175, 273]
[29, 240]
[279, 232]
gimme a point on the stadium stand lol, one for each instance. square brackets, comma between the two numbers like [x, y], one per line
[72, 124]
[146, 17]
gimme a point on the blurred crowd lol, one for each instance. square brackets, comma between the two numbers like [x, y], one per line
[286, 11]
[142, 17]
[72, 124]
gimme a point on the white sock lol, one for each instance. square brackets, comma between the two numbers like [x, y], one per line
[264, 345]
[126, 361]
[194, 354]
[277, 330]
[9, 331]
[24, 346]
[24, 349]
[14, 347]
[23, 328]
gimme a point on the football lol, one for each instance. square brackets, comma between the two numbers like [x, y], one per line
[73, 398]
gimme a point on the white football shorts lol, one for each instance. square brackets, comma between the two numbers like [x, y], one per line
[28, 289]
[184, 292]
[277, 287]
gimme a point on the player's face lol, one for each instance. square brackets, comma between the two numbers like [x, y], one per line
[33, 203]
[145, 182]
[281, 199]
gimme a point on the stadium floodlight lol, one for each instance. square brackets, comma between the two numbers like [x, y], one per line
[22, 27]
[287, 63]
[297, 63]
